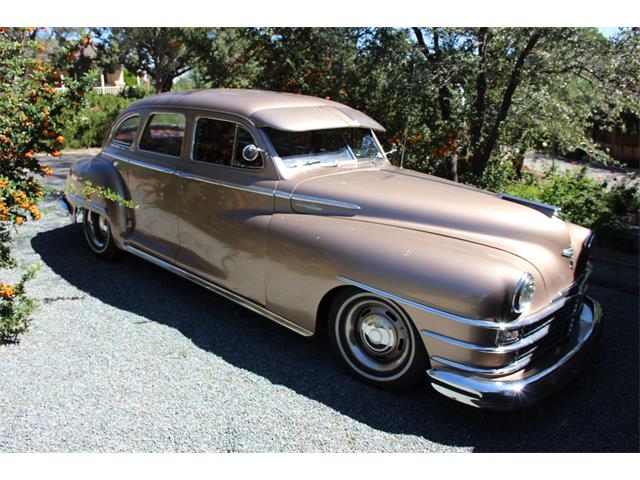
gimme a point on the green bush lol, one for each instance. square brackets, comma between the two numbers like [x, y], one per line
[625, 198]
[90, 126]
[582, 200]
[16, 307]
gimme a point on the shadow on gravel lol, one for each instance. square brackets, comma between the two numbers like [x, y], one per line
[597, 412]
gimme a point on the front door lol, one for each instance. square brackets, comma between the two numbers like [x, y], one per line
[226, 204]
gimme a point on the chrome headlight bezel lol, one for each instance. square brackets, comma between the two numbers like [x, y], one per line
[523, 294]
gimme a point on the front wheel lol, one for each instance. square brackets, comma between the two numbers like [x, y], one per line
[97, 233]
[376, 340]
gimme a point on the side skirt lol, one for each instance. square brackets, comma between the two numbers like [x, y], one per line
[229, 295]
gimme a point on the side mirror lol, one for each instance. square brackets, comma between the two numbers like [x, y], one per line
[250, 153]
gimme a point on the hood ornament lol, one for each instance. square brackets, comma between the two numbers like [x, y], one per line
[568, 253]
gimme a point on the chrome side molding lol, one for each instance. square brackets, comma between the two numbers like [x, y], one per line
[229, 295]
[488, 324]
[87, 204]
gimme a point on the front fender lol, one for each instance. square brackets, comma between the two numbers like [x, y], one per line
[307, 254]
[101, 173]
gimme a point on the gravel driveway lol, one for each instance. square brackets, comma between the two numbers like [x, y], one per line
[124, 356]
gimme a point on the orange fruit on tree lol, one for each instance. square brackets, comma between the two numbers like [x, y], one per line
[60, 139]
[57, 153]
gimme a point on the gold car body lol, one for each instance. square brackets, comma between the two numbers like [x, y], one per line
[282, 241]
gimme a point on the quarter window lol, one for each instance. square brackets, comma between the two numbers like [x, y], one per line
[221, 143]
[127, 130]
[163, 134]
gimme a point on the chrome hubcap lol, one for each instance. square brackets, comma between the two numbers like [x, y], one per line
[378, 333]
[376, 336]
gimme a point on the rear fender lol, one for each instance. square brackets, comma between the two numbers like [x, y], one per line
[101, 173]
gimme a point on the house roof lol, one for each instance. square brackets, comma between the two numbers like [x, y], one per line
[283, 111]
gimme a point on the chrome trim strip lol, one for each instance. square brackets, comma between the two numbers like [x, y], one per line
[493, 393]
[489, 324]
[229, 295]
[191, 176]
[501, 371]
[142, 164]
[87, 204]
[222, 183]
[450, 316]
[323, 201]
[549, 210]
[510, 347]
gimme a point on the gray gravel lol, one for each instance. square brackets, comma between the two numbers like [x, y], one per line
[123, 356]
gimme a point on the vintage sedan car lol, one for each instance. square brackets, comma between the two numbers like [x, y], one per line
[287, 204]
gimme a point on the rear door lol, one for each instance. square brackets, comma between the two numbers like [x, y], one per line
[152, 179]
[226, 204]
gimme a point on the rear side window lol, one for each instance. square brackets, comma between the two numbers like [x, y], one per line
[221, 142]
[127, 130]
[163, 134]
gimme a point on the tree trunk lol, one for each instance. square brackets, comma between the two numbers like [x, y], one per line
[477, 123]
[483, 151]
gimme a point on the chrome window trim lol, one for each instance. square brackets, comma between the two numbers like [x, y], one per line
[119, 144]
[194, 127]
[146, 123]
[488, 324]
[228, 294]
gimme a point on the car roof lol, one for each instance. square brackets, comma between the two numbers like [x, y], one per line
[280, 110]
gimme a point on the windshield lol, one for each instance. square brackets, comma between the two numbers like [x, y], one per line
[324, 146]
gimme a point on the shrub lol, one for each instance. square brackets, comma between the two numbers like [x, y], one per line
[625, 198]
[89, 127]
[583, 200]
[30, 114]
[16, 307]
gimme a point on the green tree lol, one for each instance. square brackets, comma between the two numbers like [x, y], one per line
[164, 53]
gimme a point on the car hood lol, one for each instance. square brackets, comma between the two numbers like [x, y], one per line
[407, 199]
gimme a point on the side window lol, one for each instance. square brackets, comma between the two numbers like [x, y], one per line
[221, 142]
[163, 134]
[127, 130]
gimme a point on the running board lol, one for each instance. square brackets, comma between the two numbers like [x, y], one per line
[229, 295]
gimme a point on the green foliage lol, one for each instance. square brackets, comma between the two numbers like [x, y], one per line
[164, 53]
[30, 122]
[625, 198]
[16, 307]
[89, 189]
[89, 127]
[583, 200]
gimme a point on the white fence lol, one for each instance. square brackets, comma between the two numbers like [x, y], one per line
[102, 90]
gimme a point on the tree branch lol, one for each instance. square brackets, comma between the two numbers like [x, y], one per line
[482, 156]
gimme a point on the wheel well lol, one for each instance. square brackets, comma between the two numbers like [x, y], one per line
[322, 316]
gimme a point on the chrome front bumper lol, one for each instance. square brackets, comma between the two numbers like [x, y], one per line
[537, 381]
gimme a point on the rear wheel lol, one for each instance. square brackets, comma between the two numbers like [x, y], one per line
[376, 340]
[97, 233]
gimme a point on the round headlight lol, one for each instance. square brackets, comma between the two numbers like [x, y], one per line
[523, 295]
